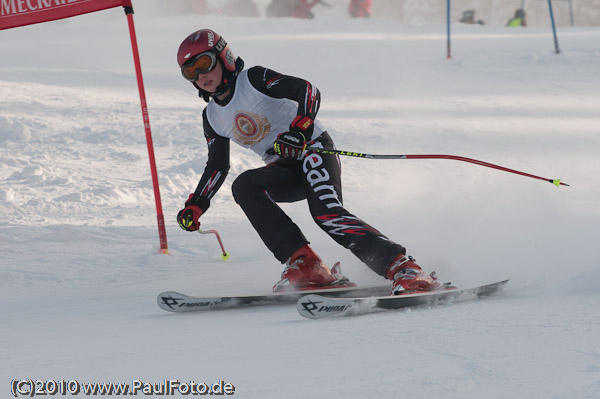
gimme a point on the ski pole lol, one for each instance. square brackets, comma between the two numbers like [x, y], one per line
[556, 182]
[224, 255]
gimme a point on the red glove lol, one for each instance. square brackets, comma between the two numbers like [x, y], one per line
[188, 217]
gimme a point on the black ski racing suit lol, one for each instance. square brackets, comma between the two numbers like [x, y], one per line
[316, 178]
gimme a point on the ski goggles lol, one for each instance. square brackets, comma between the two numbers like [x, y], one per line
[201, 63]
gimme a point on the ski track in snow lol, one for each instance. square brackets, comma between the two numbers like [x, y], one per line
[79, 261]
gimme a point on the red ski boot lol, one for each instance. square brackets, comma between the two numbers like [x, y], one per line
[305, 270]
[408, 277]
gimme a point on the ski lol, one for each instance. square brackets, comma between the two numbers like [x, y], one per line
[315, 306]
[180, 303]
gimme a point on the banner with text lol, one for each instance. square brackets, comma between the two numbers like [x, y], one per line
[14, 13]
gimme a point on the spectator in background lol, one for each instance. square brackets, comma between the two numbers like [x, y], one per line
[302, 8]
[241, 8]
[291, 8]
[468, 17]
[360, 8]
[518, 19]
[184, 7]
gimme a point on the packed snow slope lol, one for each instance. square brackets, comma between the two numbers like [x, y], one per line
[79, 261]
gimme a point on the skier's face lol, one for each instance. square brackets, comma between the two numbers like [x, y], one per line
[211, 80]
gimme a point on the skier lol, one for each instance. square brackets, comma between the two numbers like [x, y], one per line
[518, 19]
[274, 115]
[360, 8]
[292, 8]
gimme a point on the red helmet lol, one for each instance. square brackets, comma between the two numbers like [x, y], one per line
[206, 40]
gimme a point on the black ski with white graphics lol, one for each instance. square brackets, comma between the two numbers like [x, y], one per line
[317, 306]
[175, 302]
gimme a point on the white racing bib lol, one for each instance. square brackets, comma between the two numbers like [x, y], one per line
[253, 119]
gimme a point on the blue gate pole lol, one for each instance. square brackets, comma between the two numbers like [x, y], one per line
[448, 27]
[553, 27]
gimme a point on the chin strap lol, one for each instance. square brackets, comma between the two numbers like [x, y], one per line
[228, 82]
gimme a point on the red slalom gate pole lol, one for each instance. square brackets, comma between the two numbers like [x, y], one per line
[556, 182]
[162, 234]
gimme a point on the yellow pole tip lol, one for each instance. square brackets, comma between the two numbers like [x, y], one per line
[556, 182]
[225, 256]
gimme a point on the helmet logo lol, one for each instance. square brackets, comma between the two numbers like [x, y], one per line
[187, 55]
[211, 38]
[229, 56]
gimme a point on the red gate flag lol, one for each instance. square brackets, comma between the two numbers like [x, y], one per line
[15, 13]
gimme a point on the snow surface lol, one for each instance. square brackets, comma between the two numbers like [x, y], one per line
[80, 268]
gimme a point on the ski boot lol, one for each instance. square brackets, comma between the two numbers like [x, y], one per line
[304, 270]
[408, 277]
